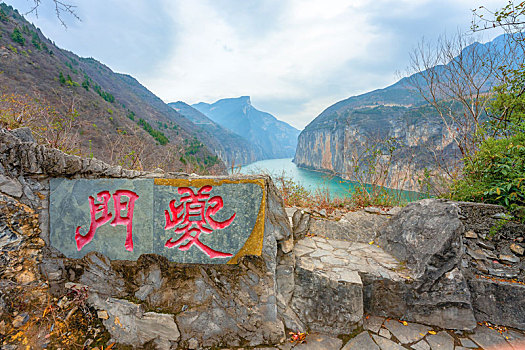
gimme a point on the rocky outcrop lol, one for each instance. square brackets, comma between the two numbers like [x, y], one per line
[151, 300]
[435, 262]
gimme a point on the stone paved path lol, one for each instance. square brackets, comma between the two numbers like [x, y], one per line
[338, 256]
[408, 335]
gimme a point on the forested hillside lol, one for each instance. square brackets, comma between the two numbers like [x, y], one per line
[82, 106]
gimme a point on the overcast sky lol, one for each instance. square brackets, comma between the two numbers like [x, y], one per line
[293, 57]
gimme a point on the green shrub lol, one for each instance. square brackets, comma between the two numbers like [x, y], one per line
[495, 174]
[61, 78]
[157, 135]
[17, 37]
[3, 16]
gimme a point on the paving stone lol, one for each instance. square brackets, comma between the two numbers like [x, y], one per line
[467, 343]
[316, 341]
[301, 250]
[410, 333]
[373, 323]
[340, 244]
[307, 242]
[385, 333]
[421, 345]
[486, 337]
[361, 342]
[514, 337]
[325, 246]
[319, 253]
[386, 344]
[441, 341]
[333, 260]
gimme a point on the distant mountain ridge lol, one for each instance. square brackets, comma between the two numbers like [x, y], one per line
[274, 137]
[231, 148]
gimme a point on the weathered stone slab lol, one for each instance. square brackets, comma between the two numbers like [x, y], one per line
[441, 341]
[498, 302]
[373, 323]
[360, 342]
[410, 333]
[320, 342]
[187, 221]
[487, 338]
[421, 345]
[327, 302]
[386, 344]
[129, 324]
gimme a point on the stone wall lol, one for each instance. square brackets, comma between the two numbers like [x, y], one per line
[150, 300]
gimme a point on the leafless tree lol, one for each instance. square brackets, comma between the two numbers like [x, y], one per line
[456, 77]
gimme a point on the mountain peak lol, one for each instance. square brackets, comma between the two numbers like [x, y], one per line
[246, 99]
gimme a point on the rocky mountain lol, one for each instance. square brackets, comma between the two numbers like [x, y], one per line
[231, 148]
[107, 115]
[275, 138]
[408, 135]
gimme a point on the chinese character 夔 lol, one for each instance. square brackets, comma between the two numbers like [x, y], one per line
[192, 217]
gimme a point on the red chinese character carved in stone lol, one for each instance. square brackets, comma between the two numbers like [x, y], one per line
[100, 208]
[192, 217]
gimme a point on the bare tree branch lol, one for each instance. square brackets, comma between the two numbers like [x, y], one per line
[61, 8]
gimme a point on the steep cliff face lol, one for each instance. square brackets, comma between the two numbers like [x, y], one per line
[231, 148]
[394, 126]
[275, 138]
[407, 139]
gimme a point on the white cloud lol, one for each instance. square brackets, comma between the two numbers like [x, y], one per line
[294, 57]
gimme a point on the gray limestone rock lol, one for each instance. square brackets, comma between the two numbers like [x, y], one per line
[386, 344]
[360, 342]
[441, 341]
[325, 302]
[428, 236]
[385, 333]
[421, 345]
[129, 324]
[467, 343]
[10, 186]
[100, 276]
[318, 341]
[410, 333]
[300, 224]
[373, 323]
[498, 302]
[487, 338]
[23, 134]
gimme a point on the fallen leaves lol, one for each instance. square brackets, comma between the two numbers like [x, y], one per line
[495, 279]
[298, 338]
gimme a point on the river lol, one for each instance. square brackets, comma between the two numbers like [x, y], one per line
[311, 180]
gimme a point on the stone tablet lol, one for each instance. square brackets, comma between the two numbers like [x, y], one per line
[206, 221]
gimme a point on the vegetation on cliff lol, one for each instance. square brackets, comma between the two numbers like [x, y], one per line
[82, 107]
